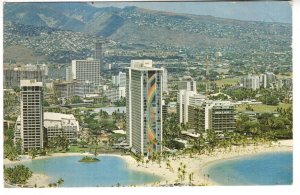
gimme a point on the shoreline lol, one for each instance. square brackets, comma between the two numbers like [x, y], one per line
[208, 165]
[196, 164]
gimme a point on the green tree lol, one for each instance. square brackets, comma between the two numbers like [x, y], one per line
[82, 143]
[45, 103]
[11, 152]
[18, 174]
[33, 152]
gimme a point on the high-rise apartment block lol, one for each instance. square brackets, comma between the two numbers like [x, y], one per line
[267, 80]
[183, 98]
[165, 81]
[251, 82]
[32, 133]
[119, 80]
[144, 107]
[98, 50]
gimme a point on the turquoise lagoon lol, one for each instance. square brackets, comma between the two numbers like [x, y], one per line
[110, 171]
[263, 169]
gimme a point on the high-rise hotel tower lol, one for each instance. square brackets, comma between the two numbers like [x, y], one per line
[143, 107]
[32, 132]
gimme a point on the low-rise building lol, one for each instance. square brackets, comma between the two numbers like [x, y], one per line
[59, 124]
[54, 124]
[69, 89]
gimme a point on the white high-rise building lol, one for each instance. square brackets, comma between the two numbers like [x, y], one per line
[165, 81]
[144, 107]
[267, 80]
[184, 99]
[86, 71]
[69, 76]
[119, 80]
[251, 82]
[32, 133]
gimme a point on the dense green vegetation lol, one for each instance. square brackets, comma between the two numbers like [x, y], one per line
[11, 150]
[18, 174]
[264, 128]
[59, 143]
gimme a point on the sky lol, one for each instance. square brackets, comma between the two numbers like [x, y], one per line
[271, 11]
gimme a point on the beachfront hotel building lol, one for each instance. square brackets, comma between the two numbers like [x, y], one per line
[85, 71]
[144, 107]
[32, 132]
[55, 124]
[216, 115]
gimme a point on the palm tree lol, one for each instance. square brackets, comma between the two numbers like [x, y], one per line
[60, 182]
[33, 152]
[147, 161]
[191, 177]
[138, 161]
[179, 174]
[183, 171]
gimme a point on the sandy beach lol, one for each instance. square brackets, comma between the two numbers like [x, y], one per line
[195, 164]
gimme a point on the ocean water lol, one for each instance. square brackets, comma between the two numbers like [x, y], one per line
[263, 169]
[109, 171]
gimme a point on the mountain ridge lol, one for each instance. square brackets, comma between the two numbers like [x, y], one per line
[138, 26]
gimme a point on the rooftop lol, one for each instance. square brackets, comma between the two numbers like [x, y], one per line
[58, 116]
[30, 83]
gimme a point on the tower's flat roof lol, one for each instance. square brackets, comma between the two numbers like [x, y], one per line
[31, 83]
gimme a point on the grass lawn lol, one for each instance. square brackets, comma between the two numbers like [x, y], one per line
[262, 107]
[228, 81]
[289, 75]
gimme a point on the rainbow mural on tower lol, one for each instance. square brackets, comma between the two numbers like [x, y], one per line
[151, 109]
